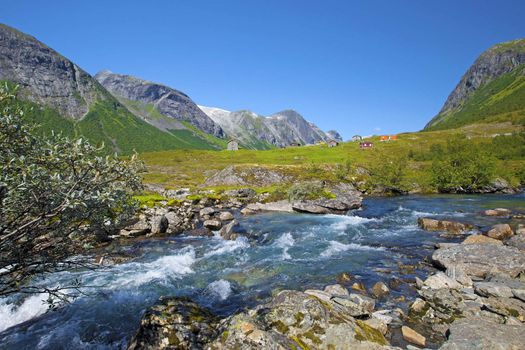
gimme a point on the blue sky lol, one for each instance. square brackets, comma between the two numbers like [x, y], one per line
[374, 66]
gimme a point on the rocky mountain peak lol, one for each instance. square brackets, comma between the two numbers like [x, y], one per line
[45, 76]
[167, 101]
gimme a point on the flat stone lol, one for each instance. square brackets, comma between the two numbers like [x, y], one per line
[412, 336]
[282, 206]
[481, 260]
[481, 239]
[480, 333]
[319, 294]
[493, 289]
[207, 211]
[357, 305]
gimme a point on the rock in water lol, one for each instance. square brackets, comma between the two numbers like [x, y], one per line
[212, 224]
[175, 323]
[482, 260]
[412, 336]
[380, 289]
[444, 225]
[501, 231]
[498, 212]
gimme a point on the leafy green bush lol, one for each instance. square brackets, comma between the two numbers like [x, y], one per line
[463, 167]
[389, 173]
[56, 196]
[342, 170]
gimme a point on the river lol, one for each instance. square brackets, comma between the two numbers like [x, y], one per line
[279, 251]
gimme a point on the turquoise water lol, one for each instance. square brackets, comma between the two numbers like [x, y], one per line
[280, 251]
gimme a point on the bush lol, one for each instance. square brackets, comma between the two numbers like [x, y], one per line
[342, 170]
[388, 173]
[463, 167]
[56, 196]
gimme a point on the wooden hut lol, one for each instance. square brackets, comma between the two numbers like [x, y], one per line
[365, 145]
[332, 143]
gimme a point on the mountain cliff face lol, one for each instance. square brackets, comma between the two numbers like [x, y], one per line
[44, 76]
[259, 132]
[61, 97]
[493, 86]
[168, 102]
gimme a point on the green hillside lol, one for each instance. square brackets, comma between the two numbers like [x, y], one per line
[503, 99]
[111, 123]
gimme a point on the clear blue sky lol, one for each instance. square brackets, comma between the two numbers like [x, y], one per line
[363, 67]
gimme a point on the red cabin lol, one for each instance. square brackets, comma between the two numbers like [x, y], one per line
[364, 145]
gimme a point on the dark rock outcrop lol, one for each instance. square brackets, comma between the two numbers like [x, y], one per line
[45, 76]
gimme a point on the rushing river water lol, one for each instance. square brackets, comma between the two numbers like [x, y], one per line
[280, 251]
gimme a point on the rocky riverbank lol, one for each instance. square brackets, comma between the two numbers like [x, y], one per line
[475, 298]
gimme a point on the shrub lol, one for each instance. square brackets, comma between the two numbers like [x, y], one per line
[463, 167]
[388, 173]
[56, 196]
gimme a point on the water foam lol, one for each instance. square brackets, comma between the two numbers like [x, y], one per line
[338, 247]
[11, 315]
[285, 242]
[343, 222]
[221, 289]
[227, 246]
[169, 266]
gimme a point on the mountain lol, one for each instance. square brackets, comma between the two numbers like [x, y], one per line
[492, 89]
[334, 135]
[62, 97]
[255, 131]
[141, 96]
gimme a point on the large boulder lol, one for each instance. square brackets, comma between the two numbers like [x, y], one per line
[481, 333]
[283, 206]
[481, 260]
[296, 320]
[497, 212]
[500, 231]
[228, 231]
[444, 225]
[517, 241]
[212, 224]
[175, 323]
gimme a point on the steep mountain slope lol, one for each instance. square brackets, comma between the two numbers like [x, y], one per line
[255, 131]
[334, 135]
[493, 89]
[62, 97]
[176, 106]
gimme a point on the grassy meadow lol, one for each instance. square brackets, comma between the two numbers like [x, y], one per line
[190, 168]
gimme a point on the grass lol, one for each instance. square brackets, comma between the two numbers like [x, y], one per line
[503, 99]
[190, 168]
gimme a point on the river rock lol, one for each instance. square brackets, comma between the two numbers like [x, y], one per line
[380, 289]
[207, 211]
[175, 223]
[310, 207]
[212, 224]
[159, 224]
[200, 232]
[444, 225]
[296, 320]
[175, 323]
[498, 212]
[336, 289]
[481, 239]
[481, 260]
[488, 289]
[247, 211]
[140, 226]
[241, 193]
[480, 333]
[440, 280]
[225, 216]
[227, 231]
[356, 304]
[500, 231]
[283, 206]
[344, 278]
[412, 336]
